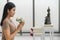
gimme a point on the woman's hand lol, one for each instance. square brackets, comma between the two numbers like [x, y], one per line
[20, 26]
[21, 23]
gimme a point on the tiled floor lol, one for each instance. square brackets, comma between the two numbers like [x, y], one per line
[56, 37]
[37, 38]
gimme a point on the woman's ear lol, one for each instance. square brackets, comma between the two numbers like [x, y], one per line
[8, 10]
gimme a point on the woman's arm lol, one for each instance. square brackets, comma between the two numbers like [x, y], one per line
[7, 33]
[19, 27]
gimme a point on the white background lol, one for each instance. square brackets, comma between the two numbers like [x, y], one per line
[2, 3]
[41, 12]
[24, 9]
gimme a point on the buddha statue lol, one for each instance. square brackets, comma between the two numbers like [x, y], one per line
[47, 18]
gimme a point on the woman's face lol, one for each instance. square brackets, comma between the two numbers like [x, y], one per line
[11, 12]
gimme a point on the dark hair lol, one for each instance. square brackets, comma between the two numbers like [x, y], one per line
[8, 6]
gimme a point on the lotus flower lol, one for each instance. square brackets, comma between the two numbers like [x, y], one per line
[19, 20]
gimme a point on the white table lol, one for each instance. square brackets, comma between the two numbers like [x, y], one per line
[50, 29]
[41, 31]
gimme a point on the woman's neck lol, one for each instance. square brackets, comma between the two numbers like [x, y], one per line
[8, 17]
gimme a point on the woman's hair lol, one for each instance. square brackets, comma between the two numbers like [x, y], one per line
[8, 6]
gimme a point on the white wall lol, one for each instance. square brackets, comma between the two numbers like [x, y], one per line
[41, 7]
[2, 3]
[24, 9]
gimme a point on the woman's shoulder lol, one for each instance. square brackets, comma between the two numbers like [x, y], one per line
[6, 21]
[5, 24]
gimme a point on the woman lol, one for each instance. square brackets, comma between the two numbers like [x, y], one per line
[9, 29]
